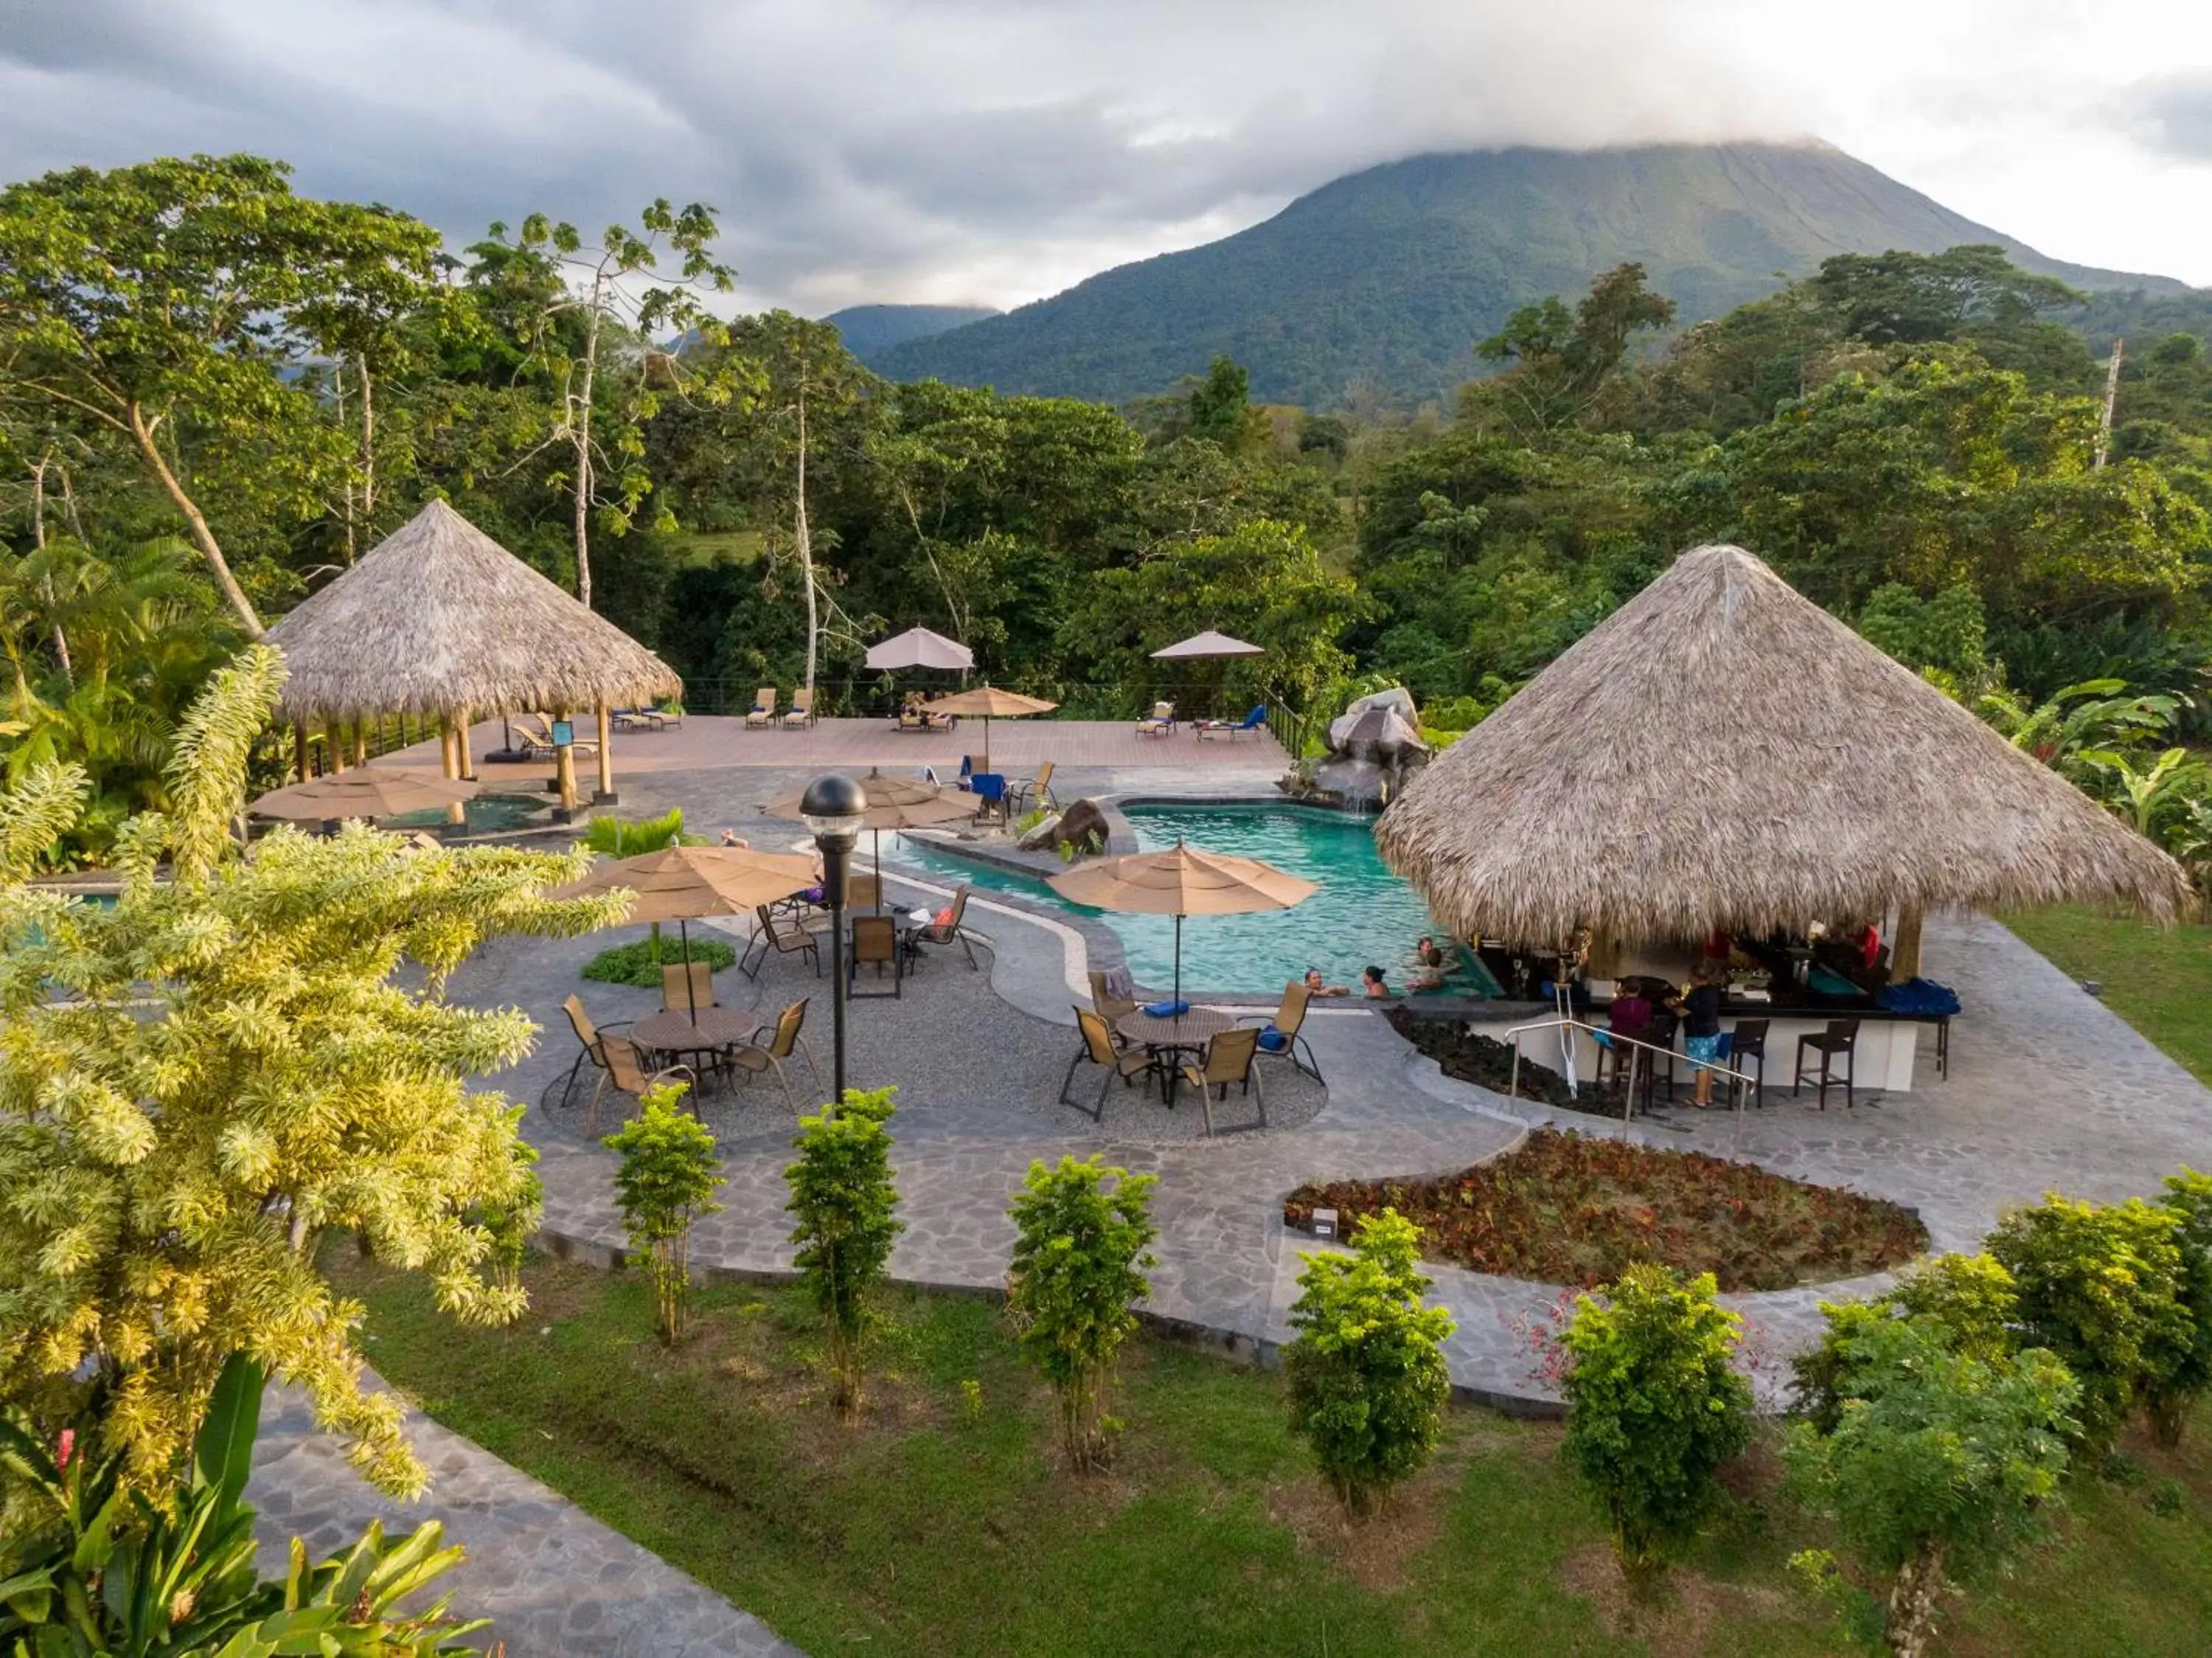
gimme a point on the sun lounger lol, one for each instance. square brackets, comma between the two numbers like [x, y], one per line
[1253, 722]
[537, 734]
[801, 712]
[763, 712]
[1159, 723]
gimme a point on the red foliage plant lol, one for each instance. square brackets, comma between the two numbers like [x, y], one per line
[1575, 1208]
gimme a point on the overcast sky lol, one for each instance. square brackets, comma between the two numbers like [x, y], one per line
[994, 151]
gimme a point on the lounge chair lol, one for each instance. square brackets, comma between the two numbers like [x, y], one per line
[761, 714]
[875, 944]
[1104, 1049]
[1037, 791]
[536, 734]
[626, 1073]
[1230, 1057]
[627, 719]
[1290, 1015]
[1253, 722]
[1160, 722]
[801, 712]
[781, 935]
[755, 1057]
[1111, 1007]
[666, 714]
[954, 926]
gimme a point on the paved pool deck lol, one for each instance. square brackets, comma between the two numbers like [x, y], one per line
[2049, 1090]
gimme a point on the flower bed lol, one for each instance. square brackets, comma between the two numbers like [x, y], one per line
[1567, 1208]
[1488, 1064]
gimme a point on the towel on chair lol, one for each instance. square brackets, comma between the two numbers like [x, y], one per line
[1119, 985]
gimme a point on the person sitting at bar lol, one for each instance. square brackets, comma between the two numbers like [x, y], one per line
[1630, 1015]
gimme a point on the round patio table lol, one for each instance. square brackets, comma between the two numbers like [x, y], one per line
[671, 1030]
[1187, 1033]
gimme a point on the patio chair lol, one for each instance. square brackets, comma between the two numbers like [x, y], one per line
[626, 1073]
[1840, 1039]
[676, 998]
[970, 765]
[1159, 723]
[1289, 1017]
[1748, 1041]
[780, 935]
[587, 1041]
[1231, 1057]
[953, 926]
[761, 714]
[1111, 1007]
[864, 892]
[1037, 791]
[1254, 721]
[801, 711]
[756, 1057]
[875, 944]
[1114, 1057]
[989, 788]
[538, 735]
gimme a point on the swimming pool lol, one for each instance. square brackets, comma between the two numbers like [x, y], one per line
[485, 814]
[1362, 914]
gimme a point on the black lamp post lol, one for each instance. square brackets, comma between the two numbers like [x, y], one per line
[832, 807]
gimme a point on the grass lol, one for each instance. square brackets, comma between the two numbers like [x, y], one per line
[1577, 1208]
[2159, 980]
[936, 1527]
[636, 964]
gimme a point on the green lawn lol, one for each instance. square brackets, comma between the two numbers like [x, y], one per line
[940, 1526]
[2159, 980]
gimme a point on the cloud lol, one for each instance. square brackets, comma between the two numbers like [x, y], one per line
[2170, 113]
[947, 151]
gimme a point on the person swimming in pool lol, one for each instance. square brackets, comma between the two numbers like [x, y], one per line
[1372, 987]
[1316, 985]
[1429, 966]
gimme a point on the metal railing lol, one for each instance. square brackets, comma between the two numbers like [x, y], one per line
[1739, 1080]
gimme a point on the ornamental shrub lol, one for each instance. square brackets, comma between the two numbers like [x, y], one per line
[1943, 1465]
[1653, 1409]
[667, 1182]
[1077, 1269]
[2100, 1287]
[1968, 1300]
[2189, 1196]
[1367, 1376]
[842, 1192]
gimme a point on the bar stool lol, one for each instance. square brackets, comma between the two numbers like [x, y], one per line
[1661, 1035]
[1841, 1038]
[1748, 1041]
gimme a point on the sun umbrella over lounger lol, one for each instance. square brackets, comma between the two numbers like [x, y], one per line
[1181, 881]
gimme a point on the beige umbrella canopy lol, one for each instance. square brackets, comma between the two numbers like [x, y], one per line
[683, 884]
[1201, 647]
[893, 803]
[988, 703]
[918, 647]
[1180, 881]
[361, 793]
[1723, 752]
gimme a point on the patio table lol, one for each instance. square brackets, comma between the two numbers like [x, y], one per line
[672, 1032]
[1187, 1033]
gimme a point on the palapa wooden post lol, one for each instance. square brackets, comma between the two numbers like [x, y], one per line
[1904, 949]
[565, 767]
[606, 758]
[361, 742]
[449, 754]
[300, 748]
[334, 740]
[461, 748]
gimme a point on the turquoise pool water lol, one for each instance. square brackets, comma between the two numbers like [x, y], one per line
[1362, 914]
[485, 813]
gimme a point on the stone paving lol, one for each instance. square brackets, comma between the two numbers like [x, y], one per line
[2049, 1090]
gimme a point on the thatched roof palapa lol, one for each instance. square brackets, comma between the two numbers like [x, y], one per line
[438, 618]
[1721, 752]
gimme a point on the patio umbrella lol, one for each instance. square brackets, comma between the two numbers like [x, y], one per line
[363, 792]
[919, 648]
[987, 702]
[684, 884]
[893, 803]
[1181, 881]
[1201, 646]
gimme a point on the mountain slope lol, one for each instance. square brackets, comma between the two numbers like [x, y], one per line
[1387, 277]
[869, 329]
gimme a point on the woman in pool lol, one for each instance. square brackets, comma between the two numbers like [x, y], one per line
[1428, 973]
[1316, 985]
[1372, 987]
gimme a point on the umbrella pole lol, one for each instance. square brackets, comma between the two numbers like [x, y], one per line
[878, 834]
[691, 984]
[1177, 1002]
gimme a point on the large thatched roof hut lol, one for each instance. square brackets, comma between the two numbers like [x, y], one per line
[439, 620]
[1721, 752]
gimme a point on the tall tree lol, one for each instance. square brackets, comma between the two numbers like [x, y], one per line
[621, 305]
[165, 296]
[1559, 363]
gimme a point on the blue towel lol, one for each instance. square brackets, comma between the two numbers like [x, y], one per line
[1274, 1041]
[1165, 1009]
[1922, 996]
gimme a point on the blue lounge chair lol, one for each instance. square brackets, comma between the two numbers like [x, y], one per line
[1256, 721]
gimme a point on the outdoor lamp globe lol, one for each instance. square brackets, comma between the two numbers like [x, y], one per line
[833, 808]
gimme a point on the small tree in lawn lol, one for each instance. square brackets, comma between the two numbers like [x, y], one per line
[1653, 1409]
[1077, 1269]
[2100, 1287]
[1942, 1467]
[666, 1183]
[2189, 1196]
[1367, 1376]
[842, 1192]
[1967, 1302]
